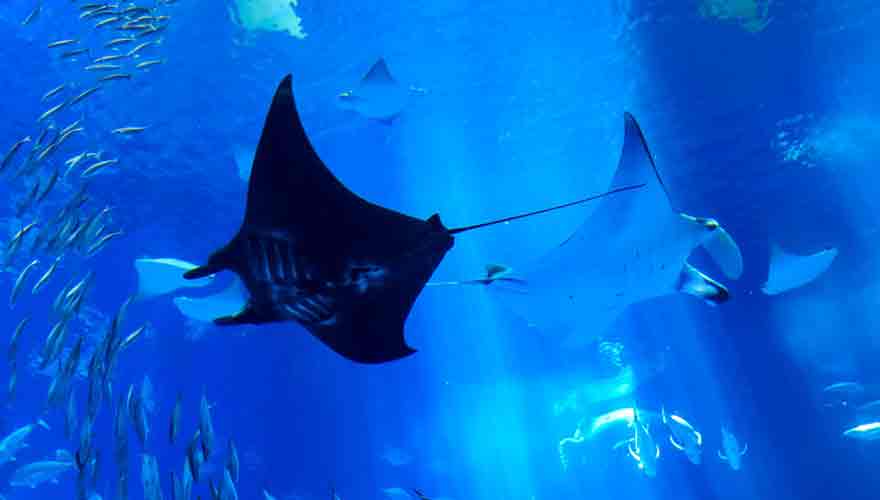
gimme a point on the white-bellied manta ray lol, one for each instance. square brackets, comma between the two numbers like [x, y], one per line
[311, 251]
[630, 249]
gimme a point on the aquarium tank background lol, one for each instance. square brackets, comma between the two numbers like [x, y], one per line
[708, 332]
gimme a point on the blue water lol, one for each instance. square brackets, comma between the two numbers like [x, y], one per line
[523, 110]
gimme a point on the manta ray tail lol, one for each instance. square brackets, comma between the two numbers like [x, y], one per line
[545, 210]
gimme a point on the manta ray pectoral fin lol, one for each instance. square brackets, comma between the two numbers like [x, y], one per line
[201, 272]
[693, 282]
[218, 261]
[725, 252]
[675, 443]
[379, 74]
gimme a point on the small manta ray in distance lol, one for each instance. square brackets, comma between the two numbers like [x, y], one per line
[378, 95]
[311, 251]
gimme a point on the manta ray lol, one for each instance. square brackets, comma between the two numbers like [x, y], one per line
[378, 95]
[311, 251]
[630, 249]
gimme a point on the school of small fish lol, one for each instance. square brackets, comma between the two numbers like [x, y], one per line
[60, 227]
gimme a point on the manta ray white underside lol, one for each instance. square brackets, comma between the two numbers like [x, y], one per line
[630, 249]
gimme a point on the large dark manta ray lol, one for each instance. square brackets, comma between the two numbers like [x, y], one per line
[311, 251]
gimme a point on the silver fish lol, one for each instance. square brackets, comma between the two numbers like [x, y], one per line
[46, 276]
[13, 342]
[51, 111]
[98, 245]
[12, 151]
[33, 15]
[232, 464]
[16, 289]
[206, 426]
[174, 427]
[52, 93]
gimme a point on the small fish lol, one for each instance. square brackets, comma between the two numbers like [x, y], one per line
[232, 463]
[96, 11]
[115, 76]
[147, 64]
[46, 276]
[143, 19]
[102, 67]
[112, 57]
[71, 295]
[19, 236]
[139, 418]
[61, 43]
[142, 46]
[73, 53]
[33, 15]
[51, 111]
[174, 426]
[72, 125]
[54, 343]
[98, 245]
[227, 487]
[194, 456]
[150, 30]
[107, 21]
[132, 26]
[90, 170]
[13, 341]
[128, 130]
[12, 151]
[52, 93]
[46, 152]
[135, 9]
[43, 134]
[206, 426]
[67, 135]
[22, 276]
[28, 200]
[132, 337]
[70, 415]
[53, 179]
[120, 41]
[186, 480]
[72, 162]
[85, 94]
